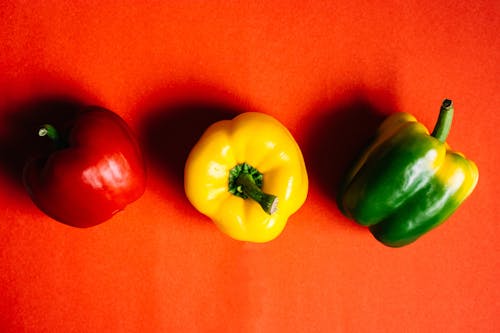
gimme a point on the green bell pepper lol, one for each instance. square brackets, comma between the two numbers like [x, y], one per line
[407, 182]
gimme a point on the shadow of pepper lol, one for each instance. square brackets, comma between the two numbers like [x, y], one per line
[19, 140]
[338, 132]
[172, 126]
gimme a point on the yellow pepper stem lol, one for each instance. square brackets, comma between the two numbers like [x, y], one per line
[247, 185]
[246, 182]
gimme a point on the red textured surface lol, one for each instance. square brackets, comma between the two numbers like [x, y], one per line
[327, 70]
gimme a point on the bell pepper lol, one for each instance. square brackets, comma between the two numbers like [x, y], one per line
[407, 181]
[92, 173]
[248, 175]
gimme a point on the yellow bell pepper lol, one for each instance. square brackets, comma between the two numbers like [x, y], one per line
[248, 175]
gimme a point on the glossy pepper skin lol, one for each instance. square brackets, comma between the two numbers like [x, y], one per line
[92, 174]
[407, 181]
[248, 175]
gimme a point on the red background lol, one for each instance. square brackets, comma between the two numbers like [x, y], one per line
[329, 71]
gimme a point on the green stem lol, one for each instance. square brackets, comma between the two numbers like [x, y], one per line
[246, 185]
[443, 124]
[50, 132]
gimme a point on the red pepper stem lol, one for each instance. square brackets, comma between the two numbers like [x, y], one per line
[268, 202]
[443, 124]
[50, 132]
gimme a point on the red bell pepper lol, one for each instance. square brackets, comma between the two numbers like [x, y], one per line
[95, 171]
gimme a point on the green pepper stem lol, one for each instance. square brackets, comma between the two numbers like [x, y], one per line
[268, 202]
[443, 124]
[50, 132]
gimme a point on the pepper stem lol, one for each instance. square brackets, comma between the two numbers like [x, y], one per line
[50, 132]
[246, 182]
[443, 124]
[247, 186]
